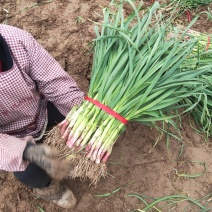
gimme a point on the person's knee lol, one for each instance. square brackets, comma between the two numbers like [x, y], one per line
[33, 177]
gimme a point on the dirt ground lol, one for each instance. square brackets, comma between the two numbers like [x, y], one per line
[63, 28]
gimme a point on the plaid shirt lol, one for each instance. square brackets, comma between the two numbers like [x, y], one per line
[32, 79]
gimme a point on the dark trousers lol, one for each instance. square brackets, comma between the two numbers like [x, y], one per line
[34, 176]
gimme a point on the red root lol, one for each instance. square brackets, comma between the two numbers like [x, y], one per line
[70, 142]
[105, 158]
[79, 141]
[66, 133]
[91, 152]
[100, 155]
[88, 148]
[88, 155]
[94, 155]
[63, 125]
[78, 148]
[74, 141]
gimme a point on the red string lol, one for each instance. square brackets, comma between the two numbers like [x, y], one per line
[107, 110]
[188, 15]
[208, 43]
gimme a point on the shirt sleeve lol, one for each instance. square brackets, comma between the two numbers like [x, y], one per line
[11, 152]
[52, 81]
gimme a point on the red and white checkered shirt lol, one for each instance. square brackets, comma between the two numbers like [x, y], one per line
[33, 79]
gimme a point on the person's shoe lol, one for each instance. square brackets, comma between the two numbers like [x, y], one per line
[57, 193]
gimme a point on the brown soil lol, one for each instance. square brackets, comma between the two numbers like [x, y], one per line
[63, 28]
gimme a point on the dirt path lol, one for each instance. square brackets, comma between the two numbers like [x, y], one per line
[63, 28]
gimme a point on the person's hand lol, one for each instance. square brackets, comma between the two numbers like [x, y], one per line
[46, 158]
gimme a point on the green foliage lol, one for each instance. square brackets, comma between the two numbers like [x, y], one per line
[189, 4]
[172, 201]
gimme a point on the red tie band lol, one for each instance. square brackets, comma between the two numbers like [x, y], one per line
[107, 110]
